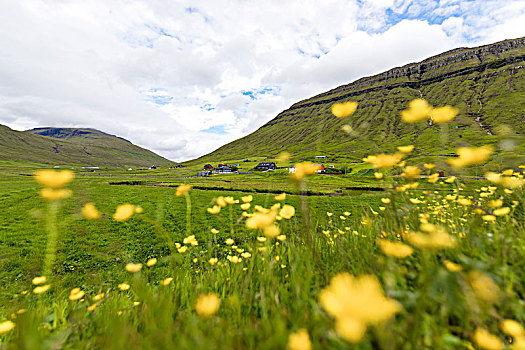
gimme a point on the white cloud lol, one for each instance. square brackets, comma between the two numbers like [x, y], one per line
[159, 72]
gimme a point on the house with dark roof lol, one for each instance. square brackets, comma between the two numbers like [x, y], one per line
[266, 166]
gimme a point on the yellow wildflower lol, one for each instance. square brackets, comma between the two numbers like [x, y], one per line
[304, 169]
[55, 194]
[271, 231]
[512, 327]
[378, 175]
[41, 289]
[182, 190]
[166, 282]
[343, 110]
[495, 203]
[214, 210]
[7, 326]
[471, 156]
[281, 237]
[133, 267]
[151, 262]
[443, 114]
[299, 340]
[433, 241]
[246, 255]
[182, 249]
[383, 160]
[429, 165]
[418, 110]
[287, 211]
[433, 178]
[213, 261]
[486, 340]
[76, 294]
[280, 197]
[39, 280]
[138, 209]
[98, 297]
[245, 206]
[505, 181]
[464, 201]
[191, 240]
[405, 149]
[490, 218]
[411, 172]
[221, 202]
[54, 178]
[233, 259]
[230, 200]
[207, 305]
[501, 211]
[261, 220]
[394, 249]
[247, 199]
[91, 308]
[356, 302]
[229, 241]
[283, 157]
[507, 172]
[452, 267]
[124, 212]
[90, 212]
[123, 286]
[450, 179]
[484, 287]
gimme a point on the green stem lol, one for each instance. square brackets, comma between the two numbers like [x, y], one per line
[188, 213]
[52, 238]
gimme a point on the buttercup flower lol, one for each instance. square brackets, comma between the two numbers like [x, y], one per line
[76, 293]
[405, 149]
[54, 178]
[343, 110]
[151, 262]
[133, 267]
[418, 110]
[443, 114]
[124, 212]
[182, 189]
[6, 326]
[280, 197]
[207, 305]
[299, 340]
[355, 303]
[39, 280]
[394, 249]
[90, 212]
[486, 340]
[55, 194]
[471, 156]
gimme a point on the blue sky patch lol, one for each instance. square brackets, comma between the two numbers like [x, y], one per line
[217, 129]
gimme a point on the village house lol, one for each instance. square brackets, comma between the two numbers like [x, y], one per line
[266, 166]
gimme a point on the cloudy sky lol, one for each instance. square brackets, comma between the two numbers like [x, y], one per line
[183, 78]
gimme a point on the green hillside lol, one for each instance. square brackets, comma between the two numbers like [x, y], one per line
[486, 84]
[80, 147]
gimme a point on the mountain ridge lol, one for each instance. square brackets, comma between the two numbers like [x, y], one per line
[74, 146]
[485, 83]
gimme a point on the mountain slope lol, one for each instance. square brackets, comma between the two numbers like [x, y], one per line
[485, 83]
[82, 147]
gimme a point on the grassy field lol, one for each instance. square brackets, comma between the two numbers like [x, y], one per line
[460, 274]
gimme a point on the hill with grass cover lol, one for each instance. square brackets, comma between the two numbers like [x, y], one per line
[67, 146]
[485, 83]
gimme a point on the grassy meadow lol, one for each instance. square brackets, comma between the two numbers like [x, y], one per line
[144, 260]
